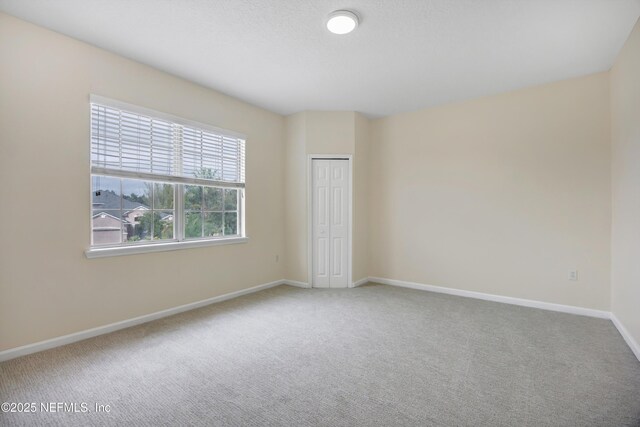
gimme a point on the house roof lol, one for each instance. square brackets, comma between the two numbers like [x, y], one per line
[108, 201]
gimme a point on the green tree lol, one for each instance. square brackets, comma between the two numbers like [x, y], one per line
[161, 225]
[162, 195]
[203, 208]
[207, 173]
[193, 211]
[137, 198]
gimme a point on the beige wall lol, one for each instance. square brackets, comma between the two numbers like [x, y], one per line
[47, 286]
[361, 189]
[296, 197]
[330, 132]
[501, 195]
[324, 132]
[625, 132]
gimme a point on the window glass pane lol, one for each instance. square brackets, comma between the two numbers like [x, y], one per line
[213, 224]
[192, 197]
[212, 199]
[230, 200]
[162, 196]
[230, 223]
[193, 225]
[163, 225]
[106, 226]
[105, 192]
[136, 194]
[137, 214]
[138, 224]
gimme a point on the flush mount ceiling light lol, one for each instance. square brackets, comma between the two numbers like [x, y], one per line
[342, 21]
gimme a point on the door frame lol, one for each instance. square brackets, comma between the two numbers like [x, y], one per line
[310, 159]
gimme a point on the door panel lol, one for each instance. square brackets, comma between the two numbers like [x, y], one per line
[339, 223]
[337, 260]
[321, 256]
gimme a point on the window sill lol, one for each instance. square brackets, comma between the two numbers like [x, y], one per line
[160, 247]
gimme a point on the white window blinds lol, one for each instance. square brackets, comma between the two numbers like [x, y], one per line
[129, 143]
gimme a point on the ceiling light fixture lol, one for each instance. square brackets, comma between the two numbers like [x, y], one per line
[342, 21]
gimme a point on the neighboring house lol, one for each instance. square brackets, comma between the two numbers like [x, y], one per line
[113, 215]
[106, 229]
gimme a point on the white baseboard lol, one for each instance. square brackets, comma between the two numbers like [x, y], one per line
[12, 353]
[307, 286]
[635, 348]
[296, 283]
[360, 282]
[496, 298]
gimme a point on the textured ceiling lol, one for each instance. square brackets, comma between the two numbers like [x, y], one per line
[406, 54]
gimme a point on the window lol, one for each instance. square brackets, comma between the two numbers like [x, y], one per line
[158, 179]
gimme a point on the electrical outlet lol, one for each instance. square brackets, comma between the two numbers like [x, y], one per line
[573, 275]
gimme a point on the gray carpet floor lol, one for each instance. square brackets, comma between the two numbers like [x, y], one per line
[371, 356]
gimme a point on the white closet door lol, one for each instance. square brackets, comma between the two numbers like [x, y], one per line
[330, 218]
[339, 265]
[321, 228]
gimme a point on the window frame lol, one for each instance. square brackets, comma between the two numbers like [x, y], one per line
[179, 183]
